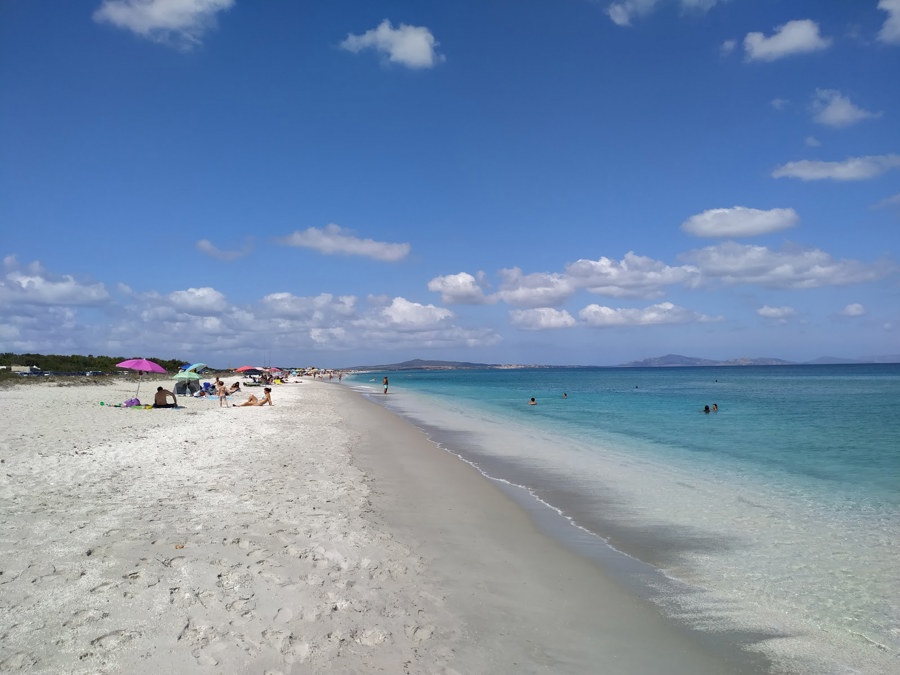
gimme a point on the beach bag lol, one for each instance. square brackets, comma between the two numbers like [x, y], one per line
[130, 403]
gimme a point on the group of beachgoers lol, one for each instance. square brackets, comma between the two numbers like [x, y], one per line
[161, 399]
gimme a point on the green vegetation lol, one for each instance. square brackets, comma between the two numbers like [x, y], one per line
[76, 363]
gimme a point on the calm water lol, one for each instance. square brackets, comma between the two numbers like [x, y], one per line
[777, 515]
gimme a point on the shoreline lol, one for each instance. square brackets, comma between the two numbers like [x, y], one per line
[538, 581]
[743, 560]
[323, 534]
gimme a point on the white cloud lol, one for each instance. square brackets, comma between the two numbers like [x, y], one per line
[334, 239]
[621, 13]
[779, 103]
[812, 142]
[794, 37]
[777, 313]
[34, 285]
[662, 313]
[732, 263]
[207, 247]
[198, 301]
[890, 31]
[634, 276]
[728, 47]
[410, 46]
[459, 289]
[889, 202]
[854, 168]
[739, 221]
[45, 313]
[854, 309]
[533, 290]
[624, 11]
[181, 23]
[541, 318]
[316, 310]
[835, 110]
[404, 313]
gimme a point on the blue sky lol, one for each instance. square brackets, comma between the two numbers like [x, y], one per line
[349, 182]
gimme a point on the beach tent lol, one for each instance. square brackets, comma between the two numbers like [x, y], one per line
[187, 382]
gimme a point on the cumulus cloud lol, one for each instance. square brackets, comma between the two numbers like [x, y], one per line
[316, 309]
[854, 168]
[459, 289]
[207, 247]
[624, 11]
[402, 312]
[539, 289]
[335, 240]
[794, 37]
[853, 310]
[889, 202]
[776, 313]
[833, 109]
[739, 221]
[541, 318]
[49, 313]
[180, 23]
[599, 316]
[198, 301]
[634, 276]
[890, 31]
[410, 46]
[32, 284]
[732, 263]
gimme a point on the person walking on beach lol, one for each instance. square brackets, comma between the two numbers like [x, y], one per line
[162, 397]
[385, 384]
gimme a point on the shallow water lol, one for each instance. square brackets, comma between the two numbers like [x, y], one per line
[778, 514]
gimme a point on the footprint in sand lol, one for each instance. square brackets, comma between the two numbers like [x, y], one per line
[85, 616]
[102, 588]
[284, 615]
[115, 639]
[18, 661]
[420, 633]
[372, 637]
[177, 562]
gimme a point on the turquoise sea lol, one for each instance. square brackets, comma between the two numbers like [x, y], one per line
[776, 517]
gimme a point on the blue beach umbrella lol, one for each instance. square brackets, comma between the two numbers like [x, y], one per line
[196, 367]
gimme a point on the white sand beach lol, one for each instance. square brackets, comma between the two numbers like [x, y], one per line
[322, 534]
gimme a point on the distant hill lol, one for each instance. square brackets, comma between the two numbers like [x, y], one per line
[676, 360]
[422, 364]
[667, 361]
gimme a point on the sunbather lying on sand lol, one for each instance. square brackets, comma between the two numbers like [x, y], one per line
[252, 400]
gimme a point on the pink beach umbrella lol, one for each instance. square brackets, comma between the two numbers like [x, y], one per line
[141, 365]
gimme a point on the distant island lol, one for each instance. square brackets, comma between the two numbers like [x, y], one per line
[675, 360]
[667, 361]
